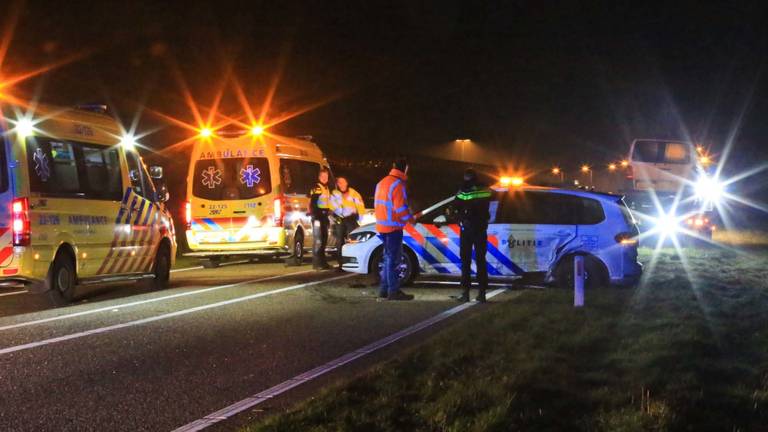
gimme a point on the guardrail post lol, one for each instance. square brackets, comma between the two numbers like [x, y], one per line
[578, 281]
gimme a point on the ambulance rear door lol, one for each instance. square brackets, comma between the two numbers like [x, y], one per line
[232, 199]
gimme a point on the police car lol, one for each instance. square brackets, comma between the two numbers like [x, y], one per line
[532, 231]
[80, 205]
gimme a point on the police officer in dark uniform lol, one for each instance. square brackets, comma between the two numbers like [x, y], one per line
[319, 209]
[472, 203]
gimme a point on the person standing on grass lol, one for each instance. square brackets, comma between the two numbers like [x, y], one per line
[392, 214]
[472, 202]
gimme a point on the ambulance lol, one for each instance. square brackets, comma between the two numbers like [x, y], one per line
[247, 195]
[80, 206]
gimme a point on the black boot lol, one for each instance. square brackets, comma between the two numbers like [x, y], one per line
[464, 297]
[481, 297]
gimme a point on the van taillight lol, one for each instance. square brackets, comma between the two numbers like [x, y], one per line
[188, 214]
[22, 233]
[278, 211]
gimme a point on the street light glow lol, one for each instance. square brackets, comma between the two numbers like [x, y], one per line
[555, 170]
[585, 168]
[611, 167]
[624, 163]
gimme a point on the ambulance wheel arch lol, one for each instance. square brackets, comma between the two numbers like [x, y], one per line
[595, 270]
[411, 270]
[62, 275]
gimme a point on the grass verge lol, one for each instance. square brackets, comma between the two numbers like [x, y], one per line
[688, 350]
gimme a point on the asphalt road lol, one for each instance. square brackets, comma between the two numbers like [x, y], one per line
[127, 358]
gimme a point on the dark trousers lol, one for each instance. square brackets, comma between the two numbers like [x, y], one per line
[474, 238]
[341, 230]
[319, 242]
[393, 251]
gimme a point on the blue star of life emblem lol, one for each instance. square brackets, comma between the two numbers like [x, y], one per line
[249, 176]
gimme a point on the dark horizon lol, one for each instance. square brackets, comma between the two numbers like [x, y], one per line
[545, 84]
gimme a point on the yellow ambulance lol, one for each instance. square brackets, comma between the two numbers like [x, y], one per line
[80, 207]
[247, 195]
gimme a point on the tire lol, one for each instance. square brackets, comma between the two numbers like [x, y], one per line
[408, 266]
[297, 250]
[161, 268]
[211, 262]
[595, 275]
[62, 279]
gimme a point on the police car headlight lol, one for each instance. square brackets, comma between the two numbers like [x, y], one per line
[361, 237]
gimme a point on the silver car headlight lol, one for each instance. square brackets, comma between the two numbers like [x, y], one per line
[361, 236]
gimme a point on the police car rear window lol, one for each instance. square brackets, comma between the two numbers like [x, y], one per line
[543, 208]
[231, 178]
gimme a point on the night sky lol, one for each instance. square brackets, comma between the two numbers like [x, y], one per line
[560, 84]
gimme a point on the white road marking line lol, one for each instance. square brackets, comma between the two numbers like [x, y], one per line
[201, 267]
[178, 313]
[283, 387]
[13, 293]
[141, 302]
[457, 283]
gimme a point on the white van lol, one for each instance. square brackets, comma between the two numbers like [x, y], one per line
[662, 165]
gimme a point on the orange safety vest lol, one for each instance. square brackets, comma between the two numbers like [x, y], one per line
[391, 203]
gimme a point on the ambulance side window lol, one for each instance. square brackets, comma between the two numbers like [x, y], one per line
[102, 171]
[53, 167]
[140, 180]
[298, 176]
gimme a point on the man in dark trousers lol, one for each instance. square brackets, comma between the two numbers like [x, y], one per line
[319, 209]
[472, 203]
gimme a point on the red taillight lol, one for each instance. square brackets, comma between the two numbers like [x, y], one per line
[630, 172]
[22, 233]
[188, 214]
[278, 211]
[626, 238]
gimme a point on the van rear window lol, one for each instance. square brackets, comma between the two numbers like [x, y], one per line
[661, 152]
[231, 178]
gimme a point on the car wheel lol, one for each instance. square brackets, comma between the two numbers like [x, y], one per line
[211, 262]
[406, 269]
[594, 275]
[162, 268]
[62, 279]
[297, 251]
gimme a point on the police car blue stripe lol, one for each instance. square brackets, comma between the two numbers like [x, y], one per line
[420, 251]
[443, 249]
[504, 260]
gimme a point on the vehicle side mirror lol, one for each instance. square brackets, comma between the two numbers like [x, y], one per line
[161, 193]
[134, 176]
[156, 172]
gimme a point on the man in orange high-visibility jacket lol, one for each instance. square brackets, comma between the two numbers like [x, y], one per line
[392, 213]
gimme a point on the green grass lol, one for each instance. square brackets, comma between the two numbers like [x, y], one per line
[677, 354]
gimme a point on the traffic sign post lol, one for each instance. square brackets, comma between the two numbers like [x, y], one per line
[578, 281]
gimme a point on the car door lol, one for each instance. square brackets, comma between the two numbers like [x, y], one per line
[536, 227]
[434, 239]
